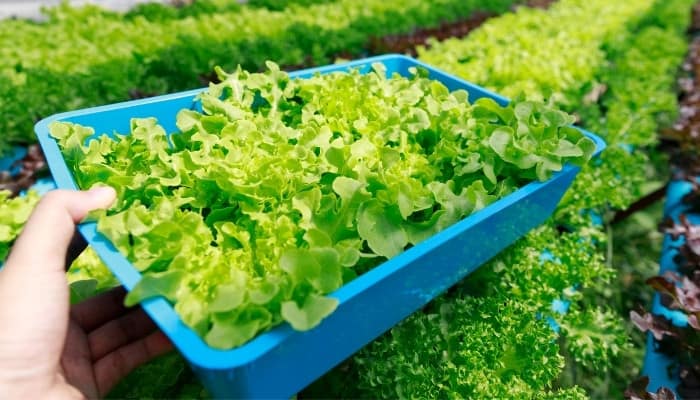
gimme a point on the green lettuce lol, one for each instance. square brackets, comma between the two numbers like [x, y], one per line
[282, 190]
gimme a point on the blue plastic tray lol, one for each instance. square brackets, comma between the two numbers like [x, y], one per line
[281, 362]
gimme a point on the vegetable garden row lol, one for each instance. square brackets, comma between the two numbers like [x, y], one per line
[517, 325]
[672, 323]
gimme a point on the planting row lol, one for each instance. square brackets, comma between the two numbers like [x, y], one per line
[164, 12]
[671, 361]
[85, 57]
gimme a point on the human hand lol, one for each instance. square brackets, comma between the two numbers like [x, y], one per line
[49, 349]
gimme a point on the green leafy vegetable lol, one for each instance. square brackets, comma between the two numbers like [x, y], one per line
[281, 190]
[308, 315]
[88, 276]
[14, 212]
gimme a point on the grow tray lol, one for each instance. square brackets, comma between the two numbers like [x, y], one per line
[280, 362]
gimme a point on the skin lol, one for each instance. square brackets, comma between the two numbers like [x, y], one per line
[48, 348]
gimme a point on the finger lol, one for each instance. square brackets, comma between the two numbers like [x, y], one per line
[96, 311]
[119, 332]
[116, 365]
[43, 244]
[75, 248]
[76, 362]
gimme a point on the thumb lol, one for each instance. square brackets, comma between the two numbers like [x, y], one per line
[34, 300]
[44, 242]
